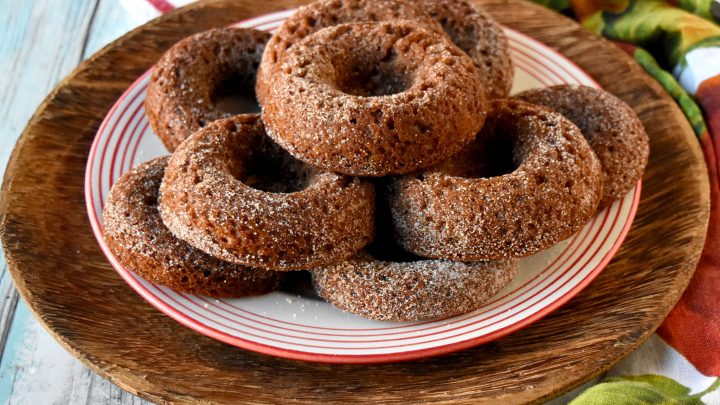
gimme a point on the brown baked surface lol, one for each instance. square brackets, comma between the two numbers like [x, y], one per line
[137, 237]
[409, 291]
[233, 193]
[611, 127]
[372, 99]
[327, 13]
[528, 181]
[478, 34]
[187, 82]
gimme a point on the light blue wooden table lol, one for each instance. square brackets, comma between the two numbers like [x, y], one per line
[41, 41]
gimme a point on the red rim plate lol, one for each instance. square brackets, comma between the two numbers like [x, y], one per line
[266, 324]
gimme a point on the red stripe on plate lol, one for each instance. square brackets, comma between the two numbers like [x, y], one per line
[373, 358]
[594, 271]
[122, 136]
[475, 321]
[513, 295]
[124, 166]
[137, 144]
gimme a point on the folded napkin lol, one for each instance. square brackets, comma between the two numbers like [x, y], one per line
[681, 362]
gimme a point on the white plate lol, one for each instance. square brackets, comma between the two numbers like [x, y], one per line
[289, 326]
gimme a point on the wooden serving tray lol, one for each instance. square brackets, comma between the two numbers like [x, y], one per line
[69, 285]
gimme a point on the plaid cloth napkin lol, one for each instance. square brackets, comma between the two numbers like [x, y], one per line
[678, 43]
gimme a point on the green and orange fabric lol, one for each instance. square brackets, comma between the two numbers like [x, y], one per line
[678, 43]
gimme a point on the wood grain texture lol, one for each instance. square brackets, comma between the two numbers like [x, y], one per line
[41, 372]
[71, 288]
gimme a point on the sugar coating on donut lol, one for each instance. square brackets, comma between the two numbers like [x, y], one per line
[548, 187]
[136, 235]
[474, 31]
[233, 193]
[611, 127]
[327, 13]
[372, 99]
[407, 291]
[194, 78]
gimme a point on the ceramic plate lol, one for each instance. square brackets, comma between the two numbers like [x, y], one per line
[287, 325]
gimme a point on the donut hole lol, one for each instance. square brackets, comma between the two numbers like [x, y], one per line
[463, 36]
[274, 170]
[391, 252]
[371, 74]
[300, 283]
[235, 94]
[150, 200]
[384, 246]
[493, 153]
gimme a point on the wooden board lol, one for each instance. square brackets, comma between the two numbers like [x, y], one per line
[61, 273]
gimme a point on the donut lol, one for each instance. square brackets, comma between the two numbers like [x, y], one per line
[231, 192]
[137, 237]
[327, 13]
[385, 282]
[612, 128]
[411, 291]
[373, 99]
[205, 77]
[478, 34]
[528, 181]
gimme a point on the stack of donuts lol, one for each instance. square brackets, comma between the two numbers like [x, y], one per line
[387, 160]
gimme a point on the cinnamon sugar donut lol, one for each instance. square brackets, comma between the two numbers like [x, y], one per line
[327, 13]
[411, 291]
[137, 237]
[372, 99]
[203, 78]
[478, 34]
[611, 127]
[528, 181]
[233, 193]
